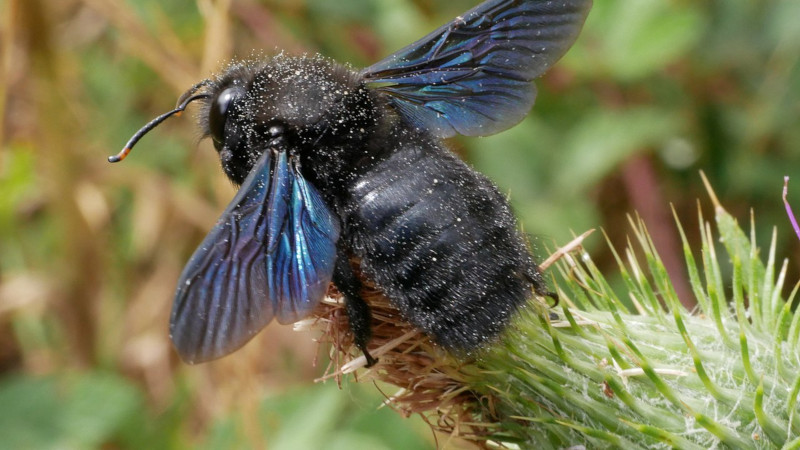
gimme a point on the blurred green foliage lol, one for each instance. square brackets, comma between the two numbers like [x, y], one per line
[89, 409]
[652, 92]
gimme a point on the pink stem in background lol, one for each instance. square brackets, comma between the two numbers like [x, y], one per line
[643, 188]
[789, 207]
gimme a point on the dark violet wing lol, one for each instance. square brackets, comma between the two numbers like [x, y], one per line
[474, 75]
[303, 254]
[271, 254]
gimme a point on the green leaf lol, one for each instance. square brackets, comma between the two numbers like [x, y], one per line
[73, 411]
[640, 38]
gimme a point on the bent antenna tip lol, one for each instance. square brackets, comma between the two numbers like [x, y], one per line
[119, 156]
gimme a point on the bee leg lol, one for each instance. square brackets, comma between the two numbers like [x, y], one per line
[357, 309]
[535, 278]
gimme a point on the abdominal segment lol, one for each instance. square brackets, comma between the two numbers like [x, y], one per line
[441, 242]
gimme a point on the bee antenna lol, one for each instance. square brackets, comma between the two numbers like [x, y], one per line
[183, 102]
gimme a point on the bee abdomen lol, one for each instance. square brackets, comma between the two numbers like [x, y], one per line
[441, 242]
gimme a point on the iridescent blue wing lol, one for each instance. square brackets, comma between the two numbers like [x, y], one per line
[301, 255]
[474, 75]
[271, 254]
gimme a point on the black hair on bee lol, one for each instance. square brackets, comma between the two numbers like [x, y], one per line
[338, 165]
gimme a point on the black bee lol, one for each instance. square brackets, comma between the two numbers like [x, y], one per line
[336, 165]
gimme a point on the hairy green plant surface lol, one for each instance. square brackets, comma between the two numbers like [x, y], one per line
[634, 368]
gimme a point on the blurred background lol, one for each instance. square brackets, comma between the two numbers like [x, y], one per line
[652, 93]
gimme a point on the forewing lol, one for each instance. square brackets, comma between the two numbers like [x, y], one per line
[302, 256]
[234, 284]
[474, 75]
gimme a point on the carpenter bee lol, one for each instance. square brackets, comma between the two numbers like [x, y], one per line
[338, 165]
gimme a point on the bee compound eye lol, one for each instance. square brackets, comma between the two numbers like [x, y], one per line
[220, 109]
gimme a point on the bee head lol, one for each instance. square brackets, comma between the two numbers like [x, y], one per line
[298, 104]
[286, 103]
